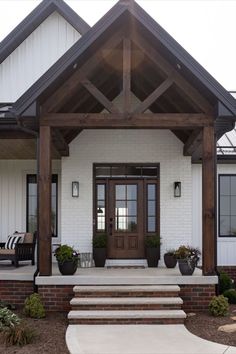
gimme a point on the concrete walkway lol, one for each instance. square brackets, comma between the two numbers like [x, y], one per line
[139, 339]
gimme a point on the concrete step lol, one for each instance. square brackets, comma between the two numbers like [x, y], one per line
[119, 303]
[127, 317]
[126, 290]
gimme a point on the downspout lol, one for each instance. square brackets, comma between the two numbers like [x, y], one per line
[216, 220]
[37, 239]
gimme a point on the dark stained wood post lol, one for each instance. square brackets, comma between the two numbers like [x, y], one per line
[126, 75]
[208, 201]
[44, 189]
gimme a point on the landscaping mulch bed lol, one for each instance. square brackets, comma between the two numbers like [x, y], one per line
[50, 336]
[206, 326]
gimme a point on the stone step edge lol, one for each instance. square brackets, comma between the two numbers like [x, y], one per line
[125, 288]
[126, 301]
[127, 314]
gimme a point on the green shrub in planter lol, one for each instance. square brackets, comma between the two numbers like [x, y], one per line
[18, 335]
[152, 241]
[219, 306]
[34, 307]
[100, 241]
[231, 295]
[152, 244]
[65, 253]
[100, 249]
[67, 259]
[8, 319]
[225, 282]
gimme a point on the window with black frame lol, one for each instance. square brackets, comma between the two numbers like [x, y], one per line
[31, 204]
[227, 205]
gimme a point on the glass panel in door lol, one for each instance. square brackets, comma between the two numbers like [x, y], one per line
[126, 208]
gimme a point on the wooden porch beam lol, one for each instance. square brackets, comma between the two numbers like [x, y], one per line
[143, 120]
[208, 201]
[193, 142]
[44, 201]
[154, 95]
[168, 69]
[126, 75]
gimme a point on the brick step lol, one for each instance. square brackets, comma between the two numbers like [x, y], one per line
[127, 291]
[130, 303]
[127, 317]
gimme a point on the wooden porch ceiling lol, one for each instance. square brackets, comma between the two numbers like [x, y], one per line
[21, 149]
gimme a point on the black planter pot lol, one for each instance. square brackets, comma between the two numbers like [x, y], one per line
[170, 260]
[99, 256]
[153, 256]
[68, 267]
[186, 267]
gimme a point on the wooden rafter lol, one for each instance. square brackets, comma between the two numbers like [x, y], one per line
[99, 95]
[100, 81]
[72, 134]
[112, 121]
[154, 95]
[60, 96]
[126, 75]
[59, 143]
[158, 60]
[193, 142]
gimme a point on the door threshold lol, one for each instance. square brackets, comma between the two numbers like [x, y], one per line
[126, 263]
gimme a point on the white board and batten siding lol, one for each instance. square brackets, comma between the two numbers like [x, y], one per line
[13, 195]
[35, 55]
[226, 246]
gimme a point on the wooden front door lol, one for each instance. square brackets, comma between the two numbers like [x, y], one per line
[125, 219]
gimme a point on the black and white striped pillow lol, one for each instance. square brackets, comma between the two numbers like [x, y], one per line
[12, 241]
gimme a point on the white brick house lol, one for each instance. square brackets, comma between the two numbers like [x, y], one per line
[49, 72]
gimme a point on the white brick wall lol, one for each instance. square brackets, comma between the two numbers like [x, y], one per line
[128, 146]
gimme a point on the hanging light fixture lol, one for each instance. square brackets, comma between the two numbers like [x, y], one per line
[177, 189]
[99, 210]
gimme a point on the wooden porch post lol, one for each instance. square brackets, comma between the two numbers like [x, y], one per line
[208, 200]
[44, 202]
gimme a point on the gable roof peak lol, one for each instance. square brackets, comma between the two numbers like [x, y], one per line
[126, 2]
[34, 19]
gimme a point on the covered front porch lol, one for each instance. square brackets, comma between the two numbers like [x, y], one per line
[122, 95]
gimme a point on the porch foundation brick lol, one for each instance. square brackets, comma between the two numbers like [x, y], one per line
[230, 270]
[56, 297]
[196, 298]
[15, 292]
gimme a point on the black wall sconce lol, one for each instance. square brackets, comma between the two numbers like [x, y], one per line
[75, 189]
[177, 189]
